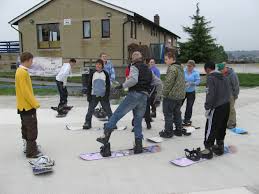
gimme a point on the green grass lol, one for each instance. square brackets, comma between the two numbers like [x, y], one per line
[38, 92]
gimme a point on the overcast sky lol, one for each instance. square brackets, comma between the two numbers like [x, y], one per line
[235, 22]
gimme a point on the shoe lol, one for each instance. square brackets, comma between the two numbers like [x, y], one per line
[153, 114]
[166, 133]
[178, 132]
[185, 133]
[207, 153]
[138, 148]
[218, 149]
[37, 155]
[87, 125]
[149, 125]
[187, 123]
[105, 150]
[231, 126]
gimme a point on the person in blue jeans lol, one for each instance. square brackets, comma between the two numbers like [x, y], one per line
[138, 82]
[192, 80]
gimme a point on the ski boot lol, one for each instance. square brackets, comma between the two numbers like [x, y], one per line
[105, 150]
[194, 155]
[138, 148]
[207, 153]
[87, 125]
[218, 149]
[166, 133]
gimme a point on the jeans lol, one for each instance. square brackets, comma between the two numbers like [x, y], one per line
[135, 101]
[62, 93]
[172, 113]
[93, 103]
[190, 97]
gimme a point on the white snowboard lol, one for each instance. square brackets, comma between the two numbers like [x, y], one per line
[73, 128]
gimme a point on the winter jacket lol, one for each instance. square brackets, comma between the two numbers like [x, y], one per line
[217, 90]
[233, 82]
[174, 84]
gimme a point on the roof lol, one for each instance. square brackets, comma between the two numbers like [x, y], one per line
[100, 2]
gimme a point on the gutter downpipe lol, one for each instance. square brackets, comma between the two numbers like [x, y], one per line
[21, 38]
[123, 38]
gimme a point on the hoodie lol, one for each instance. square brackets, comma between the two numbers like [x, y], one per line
[233, 82]
[217, 91]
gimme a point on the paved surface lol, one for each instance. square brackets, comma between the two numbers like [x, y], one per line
[150, 174]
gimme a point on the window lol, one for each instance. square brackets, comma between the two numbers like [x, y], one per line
[133, 29]
[87, 29]
[106, 28]
[48, 36]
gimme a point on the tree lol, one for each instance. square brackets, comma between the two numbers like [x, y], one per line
[201, 45]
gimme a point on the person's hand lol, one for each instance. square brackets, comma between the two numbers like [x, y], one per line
[119, 87]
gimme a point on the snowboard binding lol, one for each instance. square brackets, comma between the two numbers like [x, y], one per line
[100, 113]
[105, 150]
[194, 155]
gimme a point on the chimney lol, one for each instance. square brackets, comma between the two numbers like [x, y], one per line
[157, 19]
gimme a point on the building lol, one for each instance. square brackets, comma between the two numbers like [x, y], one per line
[83, 29]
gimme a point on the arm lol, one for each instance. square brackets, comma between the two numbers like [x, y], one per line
[169, 81]
[211, 94]
[111, 71]
[108, 85]
[28, 95]
[197, 79]
[158, 84]
[235, 85]
[132, 79]
[89, 89]
[66, 74]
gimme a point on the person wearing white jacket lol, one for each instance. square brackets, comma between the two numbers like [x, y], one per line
[61, 80]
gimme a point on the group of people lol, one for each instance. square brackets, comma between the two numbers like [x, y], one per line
[145, 90]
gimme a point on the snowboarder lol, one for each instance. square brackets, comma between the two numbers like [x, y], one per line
[61, 81]
[234, 92]
[217, 108]
[98, 91]
[26, 106]
[192, 79]
[173, 94]
[138, 82]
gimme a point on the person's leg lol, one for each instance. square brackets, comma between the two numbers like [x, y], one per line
[153, 104]
[65, 95]
[189, 107]
[168, 115]
[232, 114]
[30, 124]
[24, 134]
[147, 114]
[88, 118]
[177, 117]
[210, 132]
[107, 107]
[59, 86]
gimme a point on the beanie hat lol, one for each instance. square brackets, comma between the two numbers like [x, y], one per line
[220, 66]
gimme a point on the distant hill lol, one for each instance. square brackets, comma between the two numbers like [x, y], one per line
[243, 55]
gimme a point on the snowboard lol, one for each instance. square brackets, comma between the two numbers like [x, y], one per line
[239, 131]
[119, 153]
[80, 128]
[184, 162]
[42, 165]
[38, 170]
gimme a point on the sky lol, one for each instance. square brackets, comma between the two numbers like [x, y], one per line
[235, 22]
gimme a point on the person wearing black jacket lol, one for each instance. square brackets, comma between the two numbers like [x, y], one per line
[98, 91]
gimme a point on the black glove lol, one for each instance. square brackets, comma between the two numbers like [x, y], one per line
[119, 87]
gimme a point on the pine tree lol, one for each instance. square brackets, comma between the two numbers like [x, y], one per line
[201, 45]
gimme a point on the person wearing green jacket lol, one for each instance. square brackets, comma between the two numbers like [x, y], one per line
[173, 95]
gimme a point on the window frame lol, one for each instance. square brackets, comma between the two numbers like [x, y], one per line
[102, 22]
[37, 31]
[89, 21]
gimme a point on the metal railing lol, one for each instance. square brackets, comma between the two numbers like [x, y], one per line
[9, 47]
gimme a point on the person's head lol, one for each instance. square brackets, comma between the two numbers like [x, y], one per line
[190, 65]
[169, 58]
[103, 56]
[99, 65]
[209, 67]
[26, 59]
[222, 68]
[72, 62]
[152, 62]
[136, 57]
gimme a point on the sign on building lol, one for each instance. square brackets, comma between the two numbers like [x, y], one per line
[67, 22]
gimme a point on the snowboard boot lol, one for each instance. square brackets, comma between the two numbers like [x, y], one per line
[187, 123]
[87, 125]
[104, 139]
[153, 114]
[166, 133]
[148, 125]
[105, 150]
[218, 149]
[138, 148]
[207, 153]
[185, 133]
[178, 132]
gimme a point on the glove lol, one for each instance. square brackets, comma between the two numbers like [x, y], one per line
[119, 87]
[207, 114]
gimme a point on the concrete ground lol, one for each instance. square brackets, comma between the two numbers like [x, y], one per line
[150, 173]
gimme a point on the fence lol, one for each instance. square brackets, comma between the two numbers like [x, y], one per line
[9, 47]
